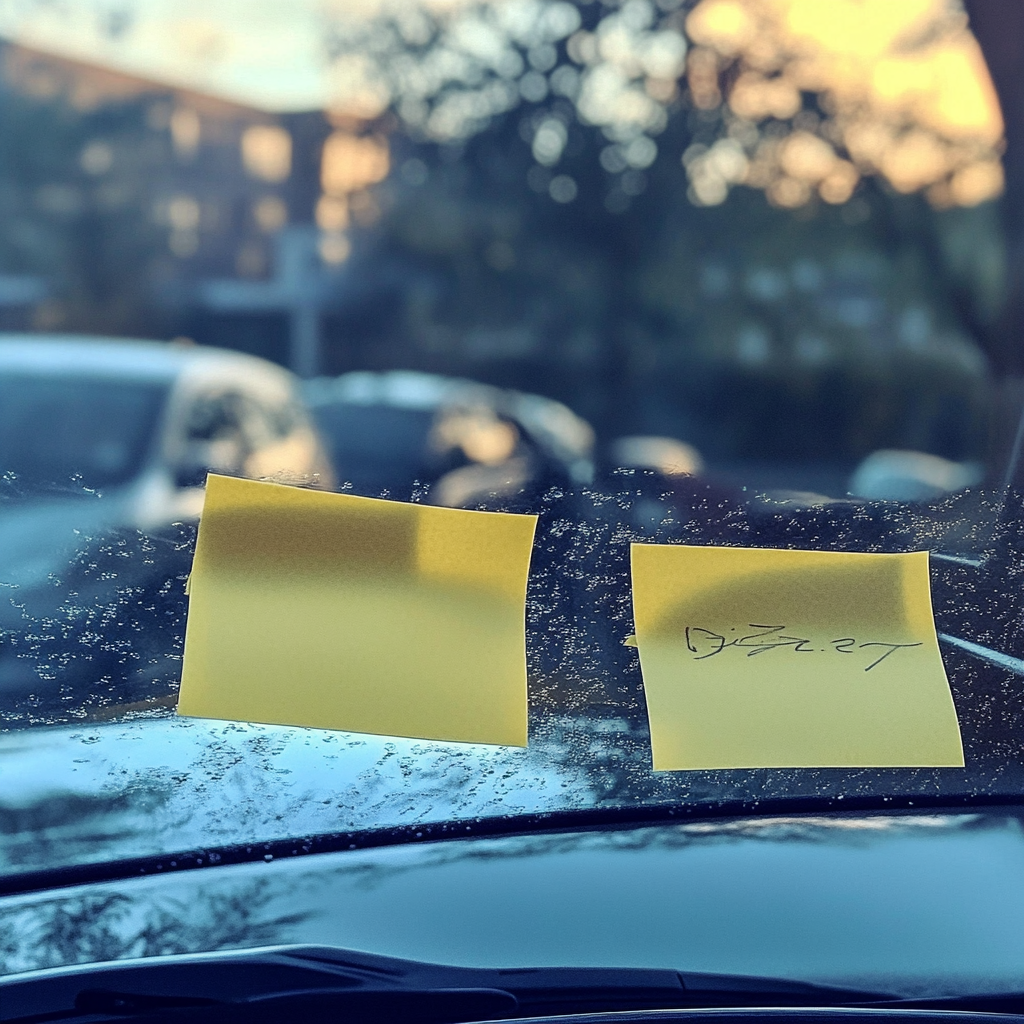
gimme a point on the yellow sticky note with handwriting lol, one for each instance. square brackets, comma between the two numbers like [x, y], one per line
[756, 658]
[340, 612]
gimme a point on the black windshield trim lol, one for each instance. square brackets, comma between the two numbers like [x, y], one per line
[590, 819]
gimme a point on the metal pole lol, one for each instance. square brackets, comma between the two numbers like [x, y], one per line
[304, 336]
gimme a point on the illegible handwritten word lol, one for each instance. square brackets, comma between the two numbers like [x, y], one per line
[706, 643]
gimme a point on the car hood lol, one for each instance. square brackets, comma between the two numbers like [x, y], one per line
[924, 905]
[39, 536]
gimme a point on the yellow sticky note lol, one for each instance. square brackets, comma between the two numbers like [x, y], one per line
[755, 658]
[341, 612]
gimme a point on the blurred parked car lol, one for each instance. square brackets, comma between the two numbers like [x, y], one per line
[664, 455]
[104, 445]
[912, 476]
[465, 441]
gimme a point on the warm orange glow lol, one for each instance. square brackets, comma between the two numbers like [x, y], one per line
[976, 183]
[332, 213]
[351, 162]
[867, 141]
[267, 152]
[964, 98]
[904, 83]
[789, 192]
[479, 433]
[186, 130]
[840, 183]
[807, 157]
[865, 29]
[754, 97]
[913, 161]
[725, 25]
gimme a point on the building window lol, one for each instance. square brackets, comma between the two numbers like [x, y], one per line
[350, 163]
[186, 131]
[183, 217]
[270, 214]
[267, 152]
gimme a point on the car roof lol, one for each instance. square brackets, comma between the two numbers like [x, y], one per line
[124, 359]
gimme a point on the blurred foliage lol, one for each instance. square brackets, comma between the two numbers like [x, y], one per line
[902, 91]
[553, 157]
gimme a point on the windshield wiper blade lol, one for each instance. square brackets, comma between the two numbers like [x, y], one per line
[289, 983]
[991, 1002]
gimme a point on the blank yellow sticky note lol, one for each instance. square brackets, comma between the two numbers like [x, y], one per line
[757, 658]
[340, 612]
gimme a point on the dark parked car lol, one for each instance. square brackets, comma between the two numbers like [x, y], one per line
[465, 442]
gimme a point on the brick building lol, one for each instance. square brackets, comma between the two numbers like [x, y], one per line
[243, 211]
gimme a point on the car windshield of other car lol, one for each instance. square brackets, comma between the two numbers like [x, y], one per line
[733, 274]
[70, 429]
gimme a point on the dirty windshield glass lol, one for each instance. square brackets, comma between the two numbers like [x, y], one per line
[708, 272]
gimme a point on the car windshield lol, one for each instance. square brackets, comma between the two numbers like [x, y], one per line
[700, 274]
[75, 431]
